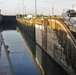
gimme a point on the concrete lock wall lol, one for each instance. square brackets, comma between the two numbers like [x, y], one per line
[41, 34]
[30, 30]
[58, 42]
[38, 34]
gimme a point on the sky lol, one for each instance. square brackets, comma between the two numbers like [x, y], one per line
[12, 7]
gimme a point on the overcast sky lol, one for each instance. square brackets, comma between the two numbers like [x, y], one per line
[12, 7]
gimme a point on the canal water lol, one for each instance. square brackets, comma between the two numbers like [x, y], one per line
[26, 57]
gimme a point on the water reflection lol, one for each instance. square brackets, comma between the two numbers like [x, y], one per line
[27, 57]
[1, 41]
[21, 59]
[45, 64]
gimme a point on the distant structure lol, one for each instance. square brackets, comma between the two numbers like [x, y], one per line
[0, 11]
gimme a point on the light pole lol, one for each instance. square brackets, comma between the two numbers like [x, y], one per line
[73, 6]
[35, 8]
[52, 9]
[25, 9]
[23, 6]
[19, 8]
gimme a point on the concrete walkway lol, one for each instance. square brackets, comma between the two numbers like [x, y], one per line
[5, 62]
